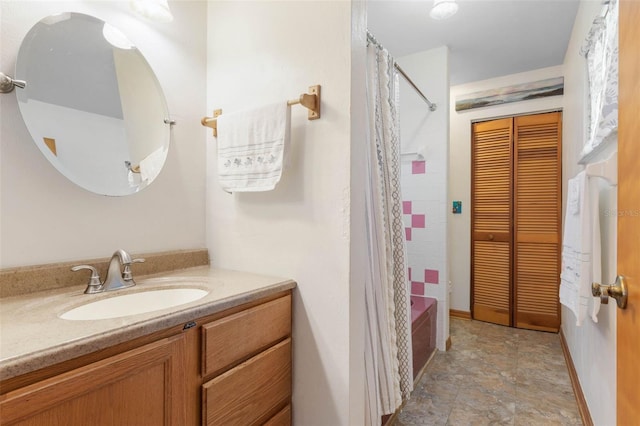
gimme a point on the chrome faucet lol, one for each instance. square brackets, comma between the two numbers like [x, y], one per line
[119, 273]
[116, 274]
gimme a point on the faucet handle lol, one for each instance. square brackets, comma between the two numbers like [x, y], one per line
[126, 271]
[94, 285]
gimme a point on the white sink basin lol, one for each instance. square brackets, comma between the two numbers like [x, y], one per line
[134, 303]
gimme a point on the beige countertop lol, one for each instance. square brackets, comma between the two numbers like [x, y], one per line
[33, 336]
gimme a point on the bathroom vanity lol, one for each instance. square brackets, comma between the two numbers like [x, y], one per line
[224, 359]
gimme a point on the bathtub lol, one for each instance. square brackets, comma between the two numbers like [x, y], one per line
[423, 336]
[423, 330]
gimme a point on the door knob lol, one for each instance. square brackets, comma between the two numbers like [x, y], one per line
[491, 237]
[617, 290]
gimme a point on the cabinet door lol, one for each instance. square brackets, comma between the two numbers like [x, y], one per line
[144, 386]
[491, 221]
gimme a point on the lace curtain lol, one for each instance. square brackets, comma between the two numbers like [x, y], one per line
[388, 355]
[601, 51]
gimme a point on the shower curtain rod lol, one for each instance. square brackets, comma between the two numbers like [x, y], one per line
[432, 106]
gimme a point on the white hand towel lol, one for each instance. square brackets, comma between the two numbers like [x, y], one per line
[573, 196]
[581, 236]
[251, 148]
[596, 241]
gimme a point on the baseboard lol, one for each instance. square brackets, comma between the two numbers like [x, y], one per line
[424, 368]
[575, 383]
[459, 314]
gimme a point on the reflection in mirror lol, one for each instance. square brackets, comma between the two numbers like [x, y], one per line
[92, 104]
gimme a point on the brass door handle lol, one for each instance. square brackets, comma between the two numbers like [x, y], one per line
[617, 290]
[490, 237]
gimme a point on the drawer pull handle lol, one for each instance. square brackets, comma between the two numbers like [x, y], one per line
[189, 325]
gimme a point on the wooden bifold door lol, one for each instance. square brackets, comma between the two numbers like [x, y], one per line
[515, 221]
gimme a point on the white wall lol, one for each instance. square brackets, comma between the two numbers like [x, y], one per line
[99, 165]
[358, 255]
[590, 344]
[424, 186]
[142, 105]
[460, 166]
[262, 52]
[46, 218]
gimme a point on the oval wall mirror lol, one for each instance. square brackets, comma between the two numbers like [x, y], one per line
[92, 104]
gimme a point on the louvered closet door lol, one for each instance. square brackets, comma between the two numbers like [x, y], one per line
[537, 221]
[491, 221]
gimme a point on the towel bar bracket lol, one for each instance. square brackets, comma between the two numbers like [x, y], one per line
[311, 101]
[212, 122]
[7, 84]
[314, 113]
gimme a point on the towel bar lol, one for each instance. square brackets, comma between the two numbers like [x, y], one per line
[310, 100]
[133, 169]
[606, 169]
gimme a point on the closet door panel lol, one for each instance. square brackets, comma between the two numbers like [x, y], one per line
[492, 282]
[491, 220]
[536, 276]
[537, 223]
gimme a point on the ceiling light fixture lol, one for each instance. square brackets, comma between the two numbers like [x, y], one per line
[443, 9]
[156, 10]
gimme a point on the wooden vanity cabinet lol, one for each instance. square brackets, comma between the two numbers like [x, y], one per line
[231, 368]
[144, 386]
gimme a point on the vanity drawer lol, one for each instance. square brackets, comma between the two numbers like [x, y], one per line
[233, 339]
[251, 391]
[283, 418]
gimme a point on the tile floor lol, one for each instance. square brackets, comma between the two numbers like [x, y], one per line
[494, 375]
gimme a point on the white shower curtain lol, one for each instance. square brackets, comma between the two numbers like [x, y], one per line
[388, 356]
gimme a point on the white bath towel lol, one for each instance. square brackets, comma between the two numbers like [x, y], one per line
[251, 148]
[580, 248]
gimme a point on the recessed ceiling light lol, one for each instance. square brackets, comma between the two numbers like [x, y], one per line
[443, 9]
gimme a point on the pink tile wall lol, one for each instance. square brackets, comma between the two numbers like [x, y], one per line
[418, 286]
[417, 221]
[406, 207]
[411, 220]
[418, 167]
[420, 228]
